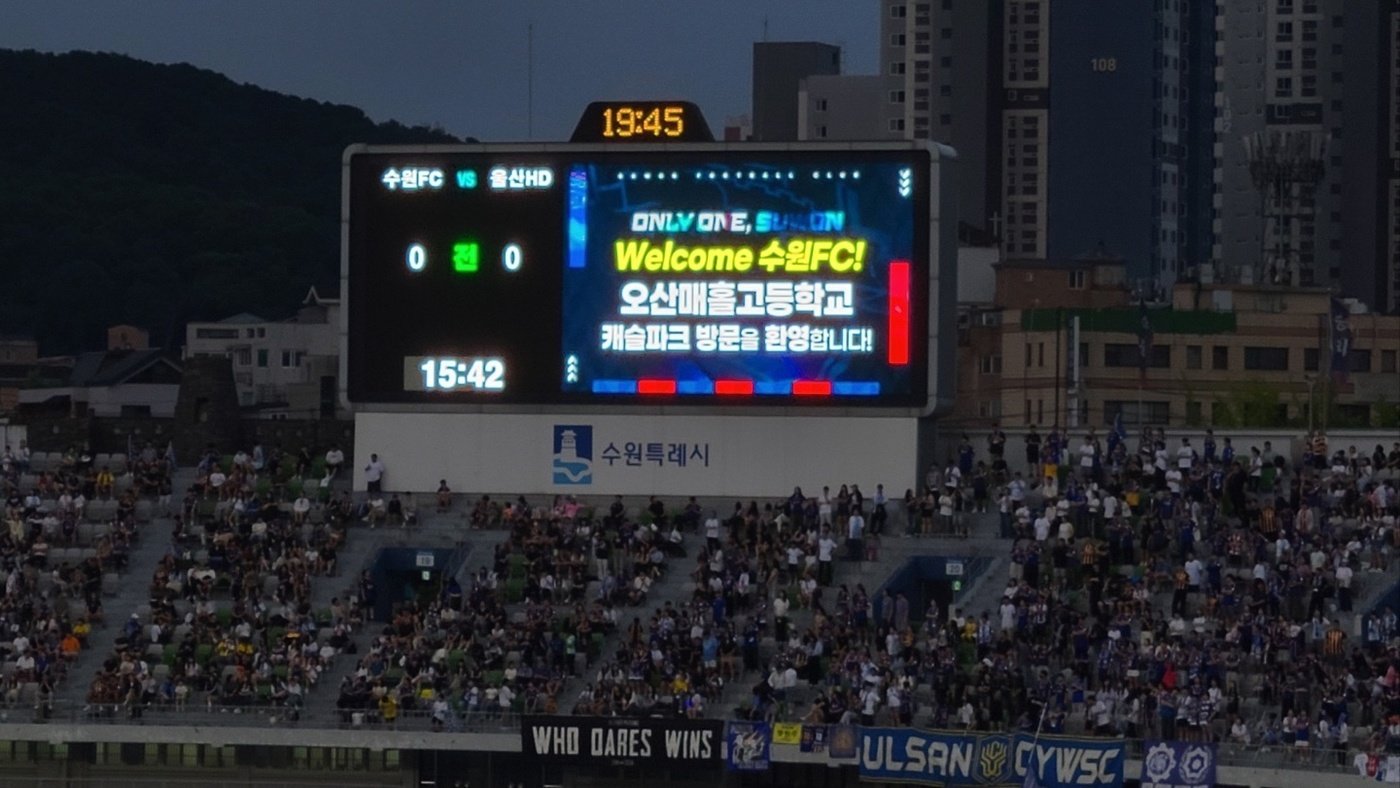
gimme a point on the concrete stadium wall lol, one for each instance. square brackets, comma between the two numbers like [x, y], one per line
[724, 455]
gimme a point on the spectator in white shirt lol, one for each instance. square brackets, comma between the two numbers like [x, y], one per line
[1185, 455]
[374, 474]
[300, 508]
[334, 459]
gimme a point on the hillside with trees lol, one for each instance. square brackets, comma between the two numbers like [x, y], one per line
[153, 195]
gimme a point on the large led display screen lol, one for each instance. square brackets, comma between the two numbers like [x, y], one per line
[713, 275]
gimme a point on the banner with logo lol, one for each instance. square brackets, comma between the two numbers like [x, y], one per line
[787, 733]
[954, 759]
[1175, 764]
[813, 738]
[750, 746]
[622, 741]
[841, 741]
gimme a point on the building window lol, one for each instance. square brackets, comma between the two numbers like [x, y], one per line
[1359, 360]
[821, 132]
[898, 11]
[249, 333]
[1266, 359]
[1028, 354]
[1126, 355]
[897, 68]
[1193, 413]
[1040, 354]
[821, 105]
[1083, 354]
[896, 124]
[1076, 280]
[897, 40]
[1309, 359]
[896, 97]
[1156, 412]
[989, 409]
[1193, 356]
[262, 332]
[990, 364]
[245, 357]
[262, 357]
[1388, 362]
[287, 358]
[1220, 357]
[216, 333]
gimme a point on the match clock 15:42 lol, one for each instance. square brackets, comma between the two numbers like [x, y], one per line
[450, 373]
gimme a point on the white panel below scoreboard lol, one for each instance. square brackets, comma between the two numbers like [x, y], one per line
[636, 454]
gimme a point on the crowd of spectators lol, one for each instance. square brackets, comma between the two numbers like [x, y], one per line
[1180, 591]
[537, 616]
[70, 521]
[230, 621]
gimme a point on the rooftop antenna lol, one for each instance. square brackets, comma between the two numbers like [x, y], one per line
[530, 81]
[765, 28]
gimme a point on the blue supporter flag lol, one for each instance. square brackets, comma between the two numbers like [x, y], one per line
[1341, 341]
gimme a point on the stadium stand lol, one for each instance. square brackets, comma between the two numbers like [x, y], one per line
[1186, 592]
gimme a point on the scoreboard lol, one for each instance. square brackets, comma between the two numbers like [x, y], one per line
[700, 274]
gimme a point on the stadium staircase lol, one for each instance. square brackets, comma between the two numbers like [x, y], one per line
[131, 593]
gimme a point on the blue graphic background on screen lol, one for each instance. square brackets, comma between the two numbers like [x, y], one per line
[873, 212]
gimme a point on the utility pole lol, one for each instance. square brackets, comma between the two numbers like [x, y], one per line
[530, 81]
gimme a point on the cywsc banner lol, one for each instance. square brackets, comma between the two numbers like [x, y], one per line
[954, 759]
[1174, 764]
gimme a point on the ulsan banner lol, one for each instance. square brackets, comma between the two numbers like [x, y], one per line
[955, 759]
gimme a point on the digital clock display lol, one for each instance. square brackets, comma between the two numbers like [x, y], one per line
[642, 121]
[444, 373]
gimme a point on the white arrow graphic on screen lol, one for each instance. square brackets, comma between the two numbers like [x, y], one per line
[906, 182]
[571, 369]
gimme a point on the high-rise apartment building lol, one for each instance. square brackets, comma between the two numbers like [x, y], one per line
[1242, 140]
[778, 70]
[1306, 148]
[1071, 118]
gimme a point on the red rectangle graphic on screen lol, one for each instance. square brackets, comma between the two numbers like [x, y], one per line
[898, 341]
[811, 388]
[645, 386]
[734, 388]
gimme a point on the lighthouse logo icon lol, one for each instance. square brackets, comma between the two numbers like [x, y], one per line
[573, 454]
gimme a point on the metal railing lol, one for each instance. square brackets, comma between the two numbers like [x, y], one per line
[1274, 756]
[258, 715]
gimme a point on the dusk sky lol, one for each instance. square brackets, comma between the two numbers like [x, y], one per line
[460, 65]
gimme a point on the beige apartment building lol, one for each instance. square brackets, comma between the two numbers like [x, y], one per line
[1059, 345]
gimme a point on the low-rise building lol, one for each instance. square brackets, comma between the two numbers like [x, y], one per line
[112, 383]
[1060, 346]
[282, 368]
